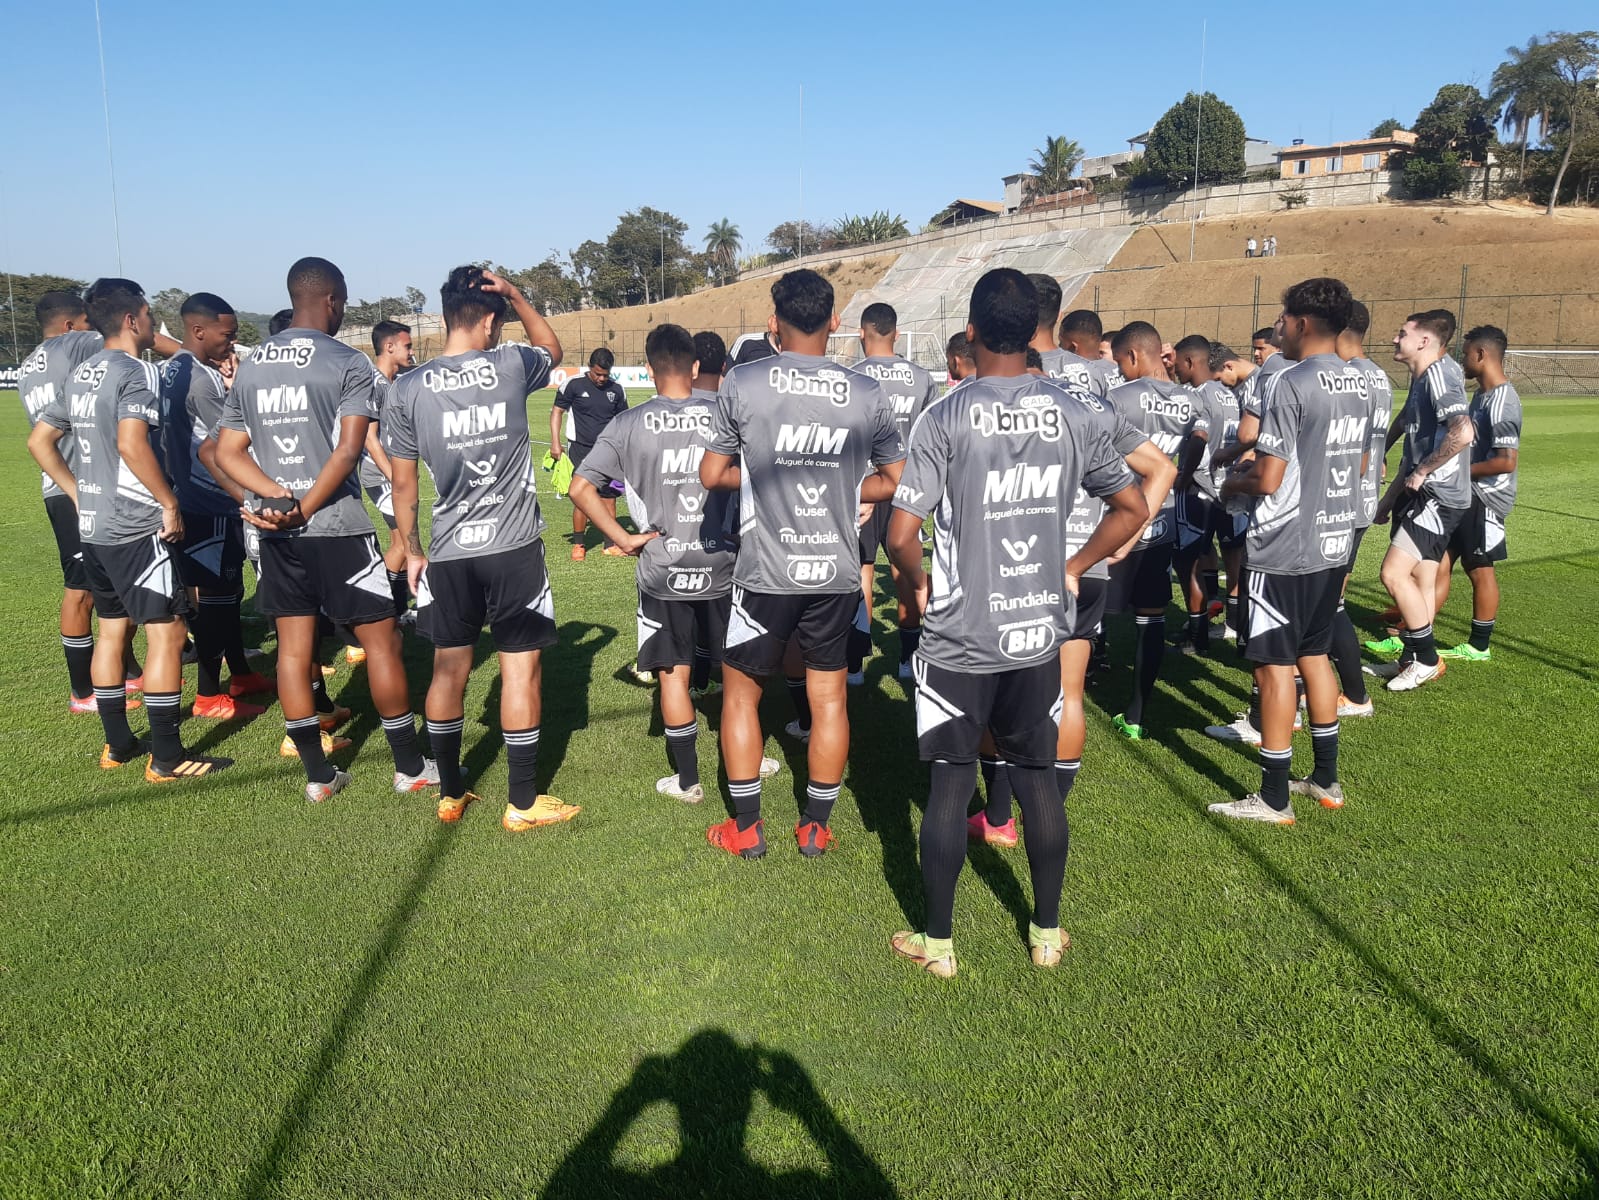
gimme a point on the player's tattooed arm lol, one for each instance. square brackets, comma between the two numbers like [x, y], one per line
[1457, 437]
[44, 443]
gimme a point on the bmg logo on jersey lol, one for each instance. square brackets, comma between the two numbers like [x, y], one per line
[474, 535]
[812, 572]
[479, 373]
[689, 581]
[1035, 416]
[295, 353]
[696, 419]
[91, 374]
[826, 382]
[1026, 640]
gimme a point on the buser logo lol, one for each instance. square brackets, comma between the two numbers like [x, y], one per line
[690, 502]
[1340, 478]
[1019, 550]
[286, 445]
[810, 495]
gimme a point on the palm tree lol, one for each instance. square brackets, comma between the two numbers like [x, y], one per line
[1519, 90]
[1052, 166]
[722, 243]
[1571, 66]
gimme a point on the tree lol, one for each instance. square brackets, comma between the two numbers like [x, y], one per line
[1456, 127]
[165, 309]
[1219, 130]
[1385, 128]
[866, 231]
[1518, 93]
[793, 238]
[644, 259]
[547, 285]
[16, 309]
[1570, 62]
[1053, 165]
[722, 243]
[384, 308]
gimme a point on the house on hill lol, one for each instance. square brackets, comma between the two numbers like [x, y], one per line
[1300, 161]
[963, 212]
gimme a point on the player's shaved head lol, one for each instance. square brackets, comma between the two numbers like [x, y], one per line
[207, 305]
[669, 349]
[1322, 301]
[958, 347]
[1194, 343]
[1049, 298]
[57, 308]
[881, 319]
[1439, 322]
[1359, 318]
[281, 320]
[466, 303]
[313, 279]
[110, 302]
[1139, 336]
[1084, 321]
[710, 351]
[1490, 339]
[803, 300]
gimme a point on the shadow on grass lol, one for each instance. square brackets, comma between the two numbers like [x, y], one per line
[568, 671]
[711, 1083]
[138, 793]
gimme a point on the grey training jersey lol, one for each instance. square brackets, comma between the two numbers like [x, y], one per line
[290, 396]
[807, 431]
[1497, 416]
[371, 477]
[1218, 415]
[1088, 511]
[191, 405]
[655, 449]
[106, 389]
[1073, 370]
[1262, 378]
[907, 388]
[1380, 392]
[1318, 421]
[996, 462]
[1438, 396]
[1166, 412]
[465, 416]
[43, 379]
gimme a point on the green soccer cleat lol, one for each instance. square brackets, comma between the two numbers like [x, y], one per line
[1391, 645]
[1133, 733]
[1466, 652]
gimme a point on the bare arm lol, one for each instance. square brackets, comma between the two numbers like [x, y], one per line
[904, 546]
[587, 498]
[1500, 464]
[1456, 439]
[44, 443]
[166, 347]
[208, 460]
[538, 329]
[380, 456]
[407, 503]
[1263, 478]
[880, 486]
[1159, 475]
[1126, 513]
[133, 445]
[1188, 461]
[555, 431]
[1385, 506]
[1396, 430]
[719, 473]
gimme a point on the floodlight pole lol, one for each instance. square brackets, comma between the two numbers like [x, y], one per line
[105, 103]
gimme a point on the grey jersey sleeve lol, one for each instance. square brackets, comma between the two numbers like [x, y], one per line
[604, 462]
[926, 474]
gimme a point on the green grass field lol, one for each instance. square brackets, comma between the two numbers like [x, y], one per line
[225, 992]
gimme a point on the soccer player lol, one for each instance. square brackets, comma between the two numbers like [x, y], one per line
[464, 414]
[685, 540]
[1480, 539]
[593, 399]
[211, 561]
[1431, 493]
[1309, 456]
[710, 359]
[804, 441]
[1166, 412]
[1058, 363]
[909, 390]
[128, 520]
[958, 359]
[995, 464]
[391, 349]
[281, 320]
[1201, 520]
[291, 433]
[1083, 334]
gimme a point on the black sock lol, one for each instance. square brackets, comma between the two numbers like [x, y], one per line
[996, 787]
[1199, 630]
[208, 647]
[1146, 665]
[1210, 582]
[1345, 655]
[1274, 777]
[819, 801]
[1099, 657]
[80, 653]
[1254, 706]
[1324, 740]
[802, 701]
[1048, 840]
[909, 639]
[1481, 633]
[682, 750]
[400, 729]
[700, 673]
[400, 590]
[522, 757]
[943, 841]
[746, 795]
[307, 737]
[444, 739]
[1232, 613]
[319, 693]
[857, 646]
[165, 744]
[1422, 646]
[1065, 775]
[113, 705]
[233, 637]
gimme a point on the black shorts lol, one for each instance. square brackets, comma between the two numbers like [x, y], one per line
[1423, 528]
[343, 577]
[1354, 549]
[137, 580]
[577, 452]
[63, 516]
[1231, 530]
[668, 630]
[1090, 615]
[1021, 708]
[1288, 617]
[382, 496]
[760, 624]
[1195, 516]
[213, 554]
[509, 592]
[1141, 580]
[1479, 540]
[874, 533]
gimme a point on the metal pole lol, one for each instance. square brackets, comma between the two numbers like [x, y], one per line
[1199, 115]
[800, 161]
[1460, 319]
[105, 103]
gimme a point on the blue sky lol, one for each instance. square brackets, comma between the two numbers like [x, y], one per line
[401, 138]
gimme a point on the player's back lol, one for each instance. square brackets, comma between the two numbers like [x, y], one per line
[1073, 370]
[1165, 411]
[1380, 395]
[104, 390]
[191, 404]
[43, 378]
[907, 388]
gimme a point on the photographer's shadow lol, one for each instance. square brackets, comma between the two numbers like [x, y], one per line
[712, 1082]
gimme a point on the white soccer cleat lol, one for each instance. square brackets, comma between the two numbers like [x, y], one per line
[1238, 731]
[1348, 708]
[316, 793]
[1387, 670]
[770, 767]
[429, 777]
[1253, 808]
[1229, 634]
[1413, 676]
[794, 731]
[670, 787]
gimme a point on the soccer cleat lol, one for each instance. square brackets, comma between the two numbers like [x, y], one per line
[315, 793]
[134, 683]
[905, 671]
[1414, 675]
[1133, 733]
[1331, 796]
[670, 787]
[979, 830]
[854, 678]
[330, 745]
[1388, 645]
[88, 704]
[614, 552]
[1184, 645]
[1348, 708]
[1229, 634]
[815, 839]
[746, 843]
[1253, 808]
[193, 767]
[1466, 652]
[111, 759]
[329, 721]
[451, 808]
[1047, 945]
[407, 619]
[934, 960]
[1385, 670]
[579, 553]
[252, 684]
[223, 707]
[428, 777]
[644, 677]
[1239, 730]
[354, 655]
[770, 767]
[1214, 609]
[546, 810]
[798, 732]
